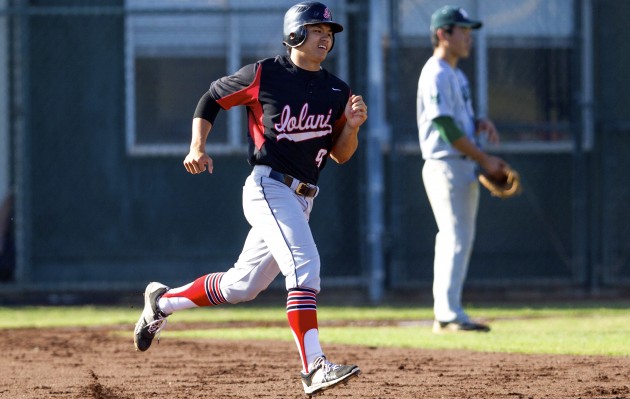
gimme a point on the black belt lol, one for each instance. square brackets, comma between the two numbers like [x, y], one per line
[304, 189]
[454, 157]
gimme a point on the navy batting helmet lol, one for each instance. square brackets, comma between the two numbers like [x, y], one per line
[306, 13]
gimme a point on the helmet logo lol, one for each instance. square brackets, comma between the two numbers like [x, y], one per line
[327, 14]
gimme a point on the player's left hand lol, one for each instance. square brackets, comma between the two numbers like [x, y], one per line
[356, 111]
[487, 126]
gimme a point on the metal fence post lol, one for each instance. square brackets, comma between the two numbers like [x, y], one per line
[377, 131]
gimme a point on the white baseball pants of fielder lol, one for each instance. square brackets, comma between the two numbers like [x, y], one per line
[279, 241]
[453, 192]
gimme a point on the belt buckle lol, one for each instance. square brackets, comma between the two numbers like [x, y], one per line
[302, 188]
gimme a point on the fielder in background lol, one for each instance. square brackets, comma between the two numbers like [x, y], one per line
[299, 115]
[448, 132]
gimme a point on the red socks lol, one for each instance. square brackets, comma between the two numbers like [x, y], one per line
[204, 291]
[302, 315]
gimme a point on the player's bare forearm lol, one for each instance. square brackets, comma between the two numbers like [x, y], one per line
[200, 131]
[197, 160]
[347, 142]
[345, 145]
[466, 147]
[491, 164]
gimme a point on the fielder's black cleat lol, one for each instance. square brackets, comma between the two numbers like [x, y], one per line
[325, 375]
[152, 320]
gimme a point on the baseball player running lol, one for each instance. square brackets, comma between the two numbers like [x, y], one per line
[299, 115]
[448, 140]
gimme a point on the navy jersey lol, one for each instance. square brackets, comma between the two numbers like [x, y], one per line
[293, 115]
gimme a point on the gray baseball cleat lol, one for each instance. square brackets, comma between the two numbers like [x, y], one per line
[325, 375]
[152, 320]
[441, 327]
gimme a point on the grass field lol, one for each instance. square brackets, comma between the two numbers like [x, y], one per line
[583, 329]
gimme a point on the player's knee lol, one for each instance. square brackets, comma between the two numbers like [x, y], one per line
[242, 293]
[236, 296]
[308, 281]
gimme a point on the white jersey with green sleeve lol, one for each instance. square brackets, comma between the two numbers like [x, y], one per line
[442, 91]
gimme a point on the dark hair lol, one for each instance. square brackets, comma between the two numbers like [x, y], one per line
[434, 38]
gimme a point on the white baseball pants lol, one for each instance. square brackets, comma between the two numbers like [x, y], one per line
[453, 191]
[279, 241]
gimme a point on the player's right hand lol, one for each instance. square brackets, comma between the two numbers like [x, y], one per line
[197, 162]
[494, 166]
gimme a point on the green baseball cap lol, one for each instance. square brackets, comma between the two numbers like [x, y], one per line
[452, 16]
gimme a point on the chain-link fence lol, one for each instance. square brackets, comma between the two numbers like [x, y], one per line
[523, 74]
[96, 103]
[102, 98]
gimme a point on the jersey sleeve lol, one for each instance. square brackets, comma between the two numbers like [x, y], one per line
[207, 108]
[449, 132]
[226, 92]
[237, 89]
[339, 125]
[340, 122]
[437, 96]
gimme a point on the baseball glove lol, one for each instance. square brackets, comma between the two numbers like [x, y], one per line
[507, 186]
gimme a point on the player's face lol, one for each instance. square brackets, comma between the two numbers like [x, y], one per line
[460, 42]
[320, 37]
[319, 40]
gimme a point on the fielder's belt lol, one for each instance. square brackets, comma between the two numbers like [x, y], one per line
[300, 188]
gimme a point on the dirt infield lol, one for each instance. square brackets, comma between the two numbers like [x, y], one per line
[98, 363]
